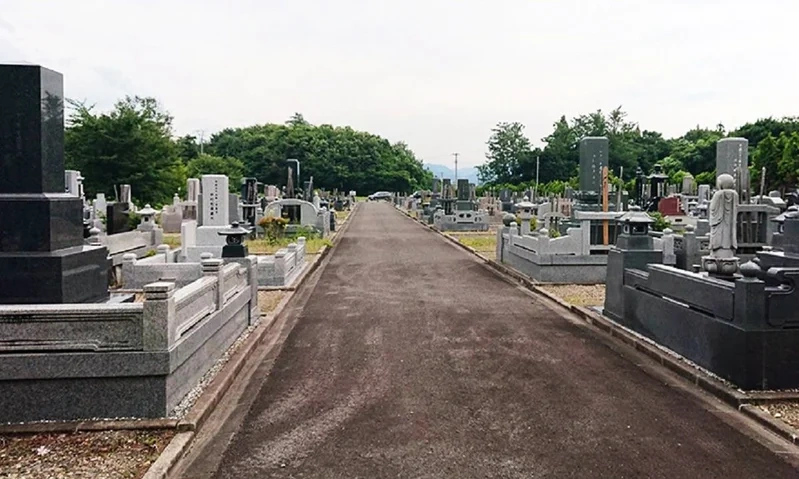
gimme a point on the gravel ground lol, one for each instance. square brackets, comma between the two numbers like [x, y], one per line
[268, 300]
[95, 455]
[787, 411]
[579, 294]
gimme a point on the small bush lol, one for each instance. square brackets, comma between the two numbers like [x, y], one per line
[661, 223]
[274, 228]
[134, 219]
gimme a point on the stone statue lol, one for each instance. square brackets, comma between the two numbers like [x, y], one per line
[722, 262]
[723, 216]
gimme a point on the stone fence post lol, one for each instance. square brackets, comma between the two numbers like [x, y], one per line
[128, 267]
[280, 263]
[669, 257]
[163, 250]
[691, 248]
[213, 267]
[158, 331]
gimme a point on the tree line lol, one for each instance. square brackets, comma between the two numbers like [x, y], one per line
[511, 158]
[134, 144]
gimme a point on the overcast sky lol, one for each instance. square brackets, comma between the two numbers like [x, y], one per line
[437, 74]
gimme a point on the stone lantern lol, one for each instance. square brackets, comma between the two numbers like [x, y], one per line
[525, 211]
[147, 218]
[234, 241]
[635, 230]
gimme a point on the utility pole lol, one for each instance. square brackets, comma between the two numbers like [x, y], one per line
[456, 167]
[202, 136]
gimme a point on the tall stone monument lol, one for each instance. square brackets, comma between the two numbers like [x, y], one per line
[42, 255]
[732, 158]
[593, 157]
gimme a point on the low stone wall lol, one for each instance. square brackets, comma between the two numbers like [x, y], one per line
[742, 330]
[136, 273]
[282, 268]
[461, 221]
[69, 362]
[551, 260]
[131, 242]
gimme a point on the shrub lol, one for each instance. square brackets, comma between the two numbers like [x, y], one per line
[134, 219]
[661, 223]
[274, 228]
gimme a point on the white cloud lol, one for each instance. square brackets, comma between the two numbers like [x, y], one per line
[437, 74]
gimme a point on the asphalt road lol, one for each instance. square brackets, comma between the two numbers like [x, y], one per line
[412, 359]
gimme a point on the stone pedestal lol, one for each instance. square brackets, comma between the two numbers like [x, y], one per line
[42, 255]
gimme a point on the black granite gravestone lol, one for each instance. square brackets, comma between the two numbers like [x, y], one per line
[42, 255]
[117, 218]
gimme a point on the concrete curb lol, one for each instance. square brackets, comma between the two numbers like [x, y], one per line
[206, 403]
[745, 402]
[78, 426]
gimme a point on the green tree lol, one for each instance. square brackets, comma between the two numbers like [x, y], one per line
[187, 147]
[768, 154]
[789, 162]
[336, 157]
[132, 145]
[206, 164]
[508, 150]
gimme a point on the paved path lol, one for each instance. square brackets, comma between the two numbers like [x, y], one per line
[413, 360]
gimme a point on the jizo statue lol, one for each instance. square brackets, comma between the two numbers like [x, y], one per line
[723, 215]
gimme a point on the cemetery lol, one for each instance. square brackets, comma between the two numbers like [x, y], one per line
[99, 311]
[114, 311]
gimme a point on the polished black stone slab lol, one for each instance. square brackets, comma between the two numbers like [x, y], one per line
[70, 275]
[117, 218]
[40, 222]
[42, 257]
[31, 130]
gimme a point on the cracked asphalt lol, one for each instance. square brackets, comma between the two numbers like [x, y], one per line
[411, 359]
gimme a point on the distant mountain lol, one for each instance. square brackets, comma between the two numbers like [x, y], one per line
[442, 171]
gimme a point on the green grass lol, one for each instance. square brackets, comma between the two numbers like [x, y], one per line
[342, 215]
[478, 243]
[260, 246]
[172, 239]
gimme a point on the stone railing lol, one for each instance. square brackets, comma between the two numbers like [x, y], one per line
[193, 303]
[136, 273]
[575, 242]
[280, 268]
[71, 327]
[143, 357]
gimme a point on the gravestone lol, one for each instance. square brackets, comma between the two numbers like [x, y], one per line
[125, 196]
[215, 199]
[593, 157]
[117, 218]
[42, 255]
[234, 213]
[688, 184]
[249, 200]
[191, 204]
[732, 158]
[74, 183]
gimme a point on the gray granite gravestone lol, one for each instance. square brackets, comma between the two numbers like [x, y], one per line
[42, 255]
[732, 158]
[593, 157]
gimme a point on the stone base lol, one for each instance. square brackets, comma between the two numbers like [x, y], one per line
[72, 275]
[752, 360]
[720, 267]
[550, 268]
